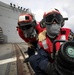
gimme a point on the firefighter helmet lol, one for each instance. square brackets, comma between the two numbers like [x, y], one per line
[26, 21]
[53, 15]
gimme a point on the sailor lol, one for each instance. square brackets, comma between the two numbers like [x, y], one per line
[53, 21]
[28, 29]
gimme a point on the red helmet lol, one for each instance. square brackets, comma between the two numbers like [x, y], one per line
[25, 18]
[53, 15]
[25, 21]
[51, 12]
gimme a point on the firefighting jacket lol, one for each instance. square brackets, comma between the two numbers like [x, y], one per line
[38, 30]
[47, 44]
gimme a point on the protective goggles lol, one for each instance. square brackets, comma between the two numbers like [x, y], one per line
[26, 27]
[50, 18]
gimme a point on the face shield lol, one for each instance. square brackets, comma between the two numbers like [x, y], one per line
[25, 27]
[28, 30]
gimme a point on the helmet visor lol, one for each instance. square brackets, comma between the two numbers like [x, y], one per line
[49, 19]
[26, 27]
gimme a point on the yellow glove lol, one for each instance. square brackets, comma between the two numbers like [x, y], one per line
[42, 36]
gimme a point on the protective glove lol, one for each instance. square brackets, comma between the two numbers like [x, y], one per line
[30, 45]
[42, 36]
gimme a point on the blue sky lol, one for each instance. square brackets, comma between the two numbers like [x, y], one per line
[38, 7]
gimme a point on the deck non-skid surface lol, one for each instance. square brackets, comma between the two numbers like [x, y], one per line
[8, 64]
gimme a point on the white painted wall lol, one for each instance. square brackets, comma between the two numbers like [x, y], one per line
[8, 22]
